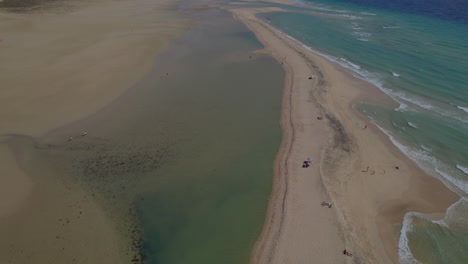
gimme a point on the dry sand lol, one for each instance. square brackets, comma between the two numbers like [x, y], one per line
[354, 167]
[59, 66]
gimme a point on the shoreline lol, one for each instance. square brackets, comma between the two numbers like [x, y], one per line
[367, 207]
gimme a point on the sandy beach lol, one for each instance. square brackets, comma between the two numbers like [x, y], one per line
[370, 183]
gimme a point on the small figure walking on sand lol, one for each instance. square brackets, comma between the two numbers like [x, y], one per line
[347, 253]
[70, 138]
[84, 133]
[365, 126]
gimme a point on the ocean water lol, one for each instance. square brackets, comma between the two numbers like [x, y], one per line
[419, 58]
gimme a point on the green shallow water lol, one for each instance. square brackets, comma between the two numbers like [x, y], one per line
[208, 204]
[432, 243]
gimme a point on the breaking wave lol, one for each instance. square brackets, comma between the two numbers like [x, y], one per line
[463, 108]
[464, 169]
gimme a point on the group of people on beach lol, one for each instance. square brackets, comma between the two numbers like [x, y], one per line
[307, 164]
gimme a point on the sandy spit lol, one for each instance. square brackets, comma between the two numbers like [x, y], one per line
[355, 165]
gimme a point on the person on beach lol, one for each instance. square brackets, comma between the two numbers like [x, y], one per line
[70, 138]
[347, 253]
[84, 133]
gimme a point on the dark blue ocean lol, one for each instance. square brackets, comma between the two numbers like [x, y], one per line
[416, 52]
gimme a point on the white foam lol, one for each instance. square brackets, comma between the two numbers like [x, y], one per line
[361, 39]
[426, 148]
[367, 13]
[402, 107]
[319, 6]
[456, 215]
[430, 164]
[355, 66]
[416, 101]
[461, 184]
[395, 74]
[464, 169]
[409, 98]
[362, 34]
[404, 252]
[463, 108]
[355, 26]
[413, 125]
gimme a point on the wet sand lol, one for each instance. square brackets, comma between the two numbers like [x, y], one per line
[369, 181]
[61, 64]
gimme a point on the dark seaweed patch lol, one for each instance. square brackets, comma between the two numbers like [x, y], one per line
[110, 173]
[340, 138]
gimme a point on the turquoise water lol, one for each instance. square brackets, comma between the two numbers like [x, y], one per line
[421, 62]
